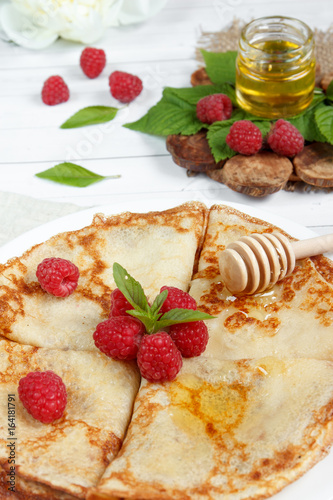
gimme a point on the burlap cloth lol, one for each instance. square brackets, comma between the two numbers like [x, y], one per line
[227, 39]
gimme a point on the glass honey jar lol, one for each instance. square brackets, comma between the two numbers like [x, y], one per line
[275, 67]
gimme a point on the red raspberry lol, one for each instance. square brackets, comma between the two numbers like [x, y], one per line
[124, 86]
[44, 395]
[215, 107]
[284, 139]
[55, 91]
[92, 61]
[119, 304]
[120, 337]
[190, 338]
[177, 298]
[244, 137]
[57, 276]
[159, 359]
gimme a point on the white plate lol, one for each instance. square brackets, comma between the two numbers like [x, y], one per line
[317, 483]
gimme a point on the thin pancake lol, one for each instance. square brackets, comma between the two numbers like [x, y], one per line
[71, 454]
[157, 248]
[226, 430]
[293, 319]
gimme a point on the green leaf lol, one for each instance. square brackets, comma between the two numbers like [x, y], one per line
[324, 121]
[193, 94]
[217, 134]
[158, 302]
[72, 175]
[221, 66]
[175, 316]
[91, 115]
[131, 288]
[329, 91]
[170, 115]
[307, 126]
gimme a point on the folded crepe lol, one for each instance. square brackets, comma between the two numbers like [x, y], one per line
[156, 248]
[63, 459]
[227, 430]
[292, 319]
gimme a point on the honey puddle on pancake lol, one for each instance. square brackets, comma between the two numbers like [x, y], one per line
[198, 407]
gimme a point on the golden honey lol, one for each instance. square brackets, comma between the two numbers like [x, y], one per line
[275, 67]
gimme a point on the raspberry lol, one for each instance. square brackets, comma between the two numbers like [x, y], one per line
[177, 298]
[92, 61]
[119, 304]
[44, 395]
[190, 338]
[244, 137]
[57, 276]
[158, 358]
[124, 86]
[55, 91]
[284, 139]
[215, 107]
[120, 337]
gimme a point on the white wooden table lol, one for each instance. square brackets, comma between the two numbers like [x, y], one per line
[162, 52]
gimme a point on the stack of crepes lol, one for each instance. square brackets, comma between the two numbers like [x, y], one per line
[243, 420]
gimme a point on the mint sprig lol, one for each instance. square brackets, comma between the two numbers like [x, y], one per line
[151, 316]
[175, 113]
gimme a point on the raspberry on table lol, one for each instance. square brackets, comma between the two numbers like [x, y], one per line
[176, 298]
[119, 337]
[58, 276]
[158, 358]
[244, 137]
[214, 107]
[285, 139]
[55, 91]
[119, 304]
[92, 61]
[44, 395]
[124, 86]
[190, 338]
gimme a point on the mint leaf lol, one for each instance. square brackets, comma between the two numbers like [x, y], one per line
[217, 134]
[158, 302]
[220, 66]
[193, 94]
[175, 316]
[324, 120]
[329, 91]
[170, 115]
[72, 175]
[131, 288]
[91, 115]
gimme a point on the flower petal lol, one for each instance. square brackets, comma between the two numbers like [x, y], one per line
[134, 12]
[22, 31]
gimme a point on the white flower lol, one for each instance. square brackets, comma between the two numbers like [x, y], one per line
[38, 23]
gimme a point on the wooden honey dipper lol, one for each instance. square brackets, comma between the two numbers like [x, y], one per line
[254, 263]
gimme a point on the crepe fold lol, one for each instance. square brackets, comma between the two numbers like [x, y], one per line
[156, 248]
[70, 454]
[226, 430]
[294, 318]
